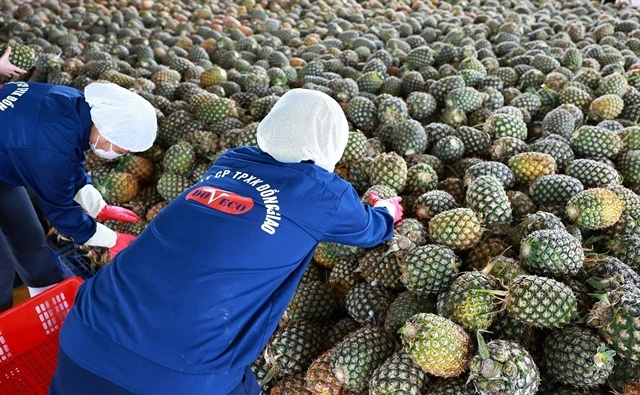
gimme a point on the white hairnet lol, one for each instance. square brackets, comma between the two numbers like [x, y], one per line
[121, 116]
[305, 125]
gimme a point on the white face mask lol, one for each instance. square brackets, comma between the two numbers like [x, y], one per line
[108, 155]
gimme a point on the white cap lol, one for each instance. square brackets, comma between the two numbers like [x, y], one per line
[305, 125]
[122, 117]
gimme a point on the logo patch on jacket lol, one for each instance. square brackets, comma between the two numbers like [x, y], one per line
[221, 200]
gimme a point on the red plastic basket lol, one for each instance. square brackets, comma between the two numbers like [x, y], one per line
[29, 339]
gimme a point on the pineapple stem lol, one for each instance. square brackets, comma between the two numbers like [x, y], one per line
[602, 357]
[482, 346]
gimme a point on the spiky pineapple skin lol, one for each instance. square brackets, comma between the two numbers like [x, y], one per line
[430, 269]
[540, 302]
[439, 346]
[458, 229]
[554, 253]
[398, 374]
[487, 197]
[595, 208]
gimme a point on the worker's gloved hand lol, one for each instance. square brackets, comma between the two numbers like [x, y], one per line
[6, 68]
[116, 213]
[122, 241]
[392, 205]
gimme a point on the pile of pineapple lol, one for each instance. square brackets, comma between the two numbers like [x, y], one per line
[508, 127]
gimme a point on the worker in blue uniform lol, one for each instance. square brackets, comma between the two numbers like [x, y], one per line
[44, 133]
[189, 305]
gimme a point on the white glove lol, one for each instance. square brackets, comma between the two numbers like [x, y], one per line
[90, 199]
[390, 207]
[104, 237]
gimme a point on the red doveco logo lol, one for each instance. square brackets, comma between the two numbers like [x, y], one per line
[221, 200]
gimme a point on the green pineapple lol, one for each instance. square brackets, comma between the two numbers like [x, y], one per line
[389, 169]
[504, 148]
[421, 105]
[217, 110]
[355, 150]
[503, 367]
[405, 306]
[453, 116]
[482, 253]
[496, 169]
[475, 141]
[117, 187]
[504, 125]
[610, 268]
[419, 57]
[466, 303]
[540, 302]
[381, 266]
[458, 229]
[180, 158]
[312, 302]
[559, 121]
[521, 204]
[487, 198]
[630, 200]
[260, 108]
[630, 138]
[398, 374]
[552, 252]
[592, 141]
[409, 138]
[575, 96]
[528, 166]
[448, 149]
[466, 99]
[392, 109]
[560, 150]
[617, 320]
[429, 269]
[439, 346]
[355, 359]
[629, 167]
[592, 173]
[341, 330]
[421, 178]
[614, 84]
[343, 276]
[443, 86]
[504, 269]
[595, 208]
[452, 386]
[329, 254]
[433, 203]
[21, 56]
[293, 348]
[204, 143]
[171, 185]
[577, 357]
[368, 304]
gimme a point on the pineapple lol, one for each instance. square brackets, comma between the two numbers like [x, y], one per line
[503, 367]
[453, 386]
[433, 203]
[439, 346]
[466, 303]
[487, 198]
[504, 125]
[458, 229]
[592, 173]
[21, 56]
[421, 178]
[616, 317]
[429, 269]
[606, 107]
[398, 374]
[381, 266]
[528, 166]
[171, 185]
[355, 150]
[496, 169]
[356, 357]
[555, 189]
[320, 380]
[595, 208]
[405, 306]
[541, 302]
[593, 141]
[117, 188]
[294, 384]
[448, 149]
[312, 302]
[553, 253]
[577, 357]
[293, 348]
[368, 304]
[141, 168]
[409, 138]
[328, 254]
[343, 276]
[155, 210]
[389, 169]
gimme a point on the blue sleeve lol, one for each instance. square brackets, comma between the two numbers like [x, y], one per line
[53, 184]
[357, 224]
[81, 177]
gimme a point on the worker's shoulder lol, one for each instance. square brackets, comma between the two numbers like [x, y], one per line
[303, 172]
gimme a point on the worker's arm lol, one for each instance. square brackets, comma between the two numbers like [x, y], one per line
[357, 224]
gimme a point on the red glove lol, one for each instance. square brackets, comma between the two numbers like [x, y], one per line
[117, 213]
[393, 205]
[122, 242]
